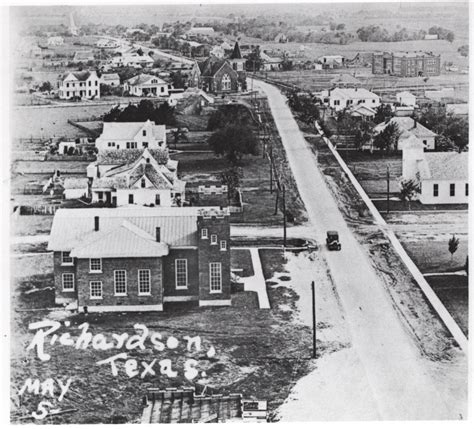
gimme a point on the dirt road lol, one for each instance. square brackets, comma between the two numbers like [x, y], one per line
[397, 375]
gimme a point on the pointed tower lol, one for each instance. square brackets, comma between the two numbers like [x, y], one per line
[236, 60]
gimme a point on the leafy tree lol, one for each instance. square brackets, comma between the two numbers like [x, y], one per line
[163, 114]
[408, 191]
[254, 61]
[179, 134]
[231, 177]
[464, 50]
[382, 112]
[363, 134]
[444, 144]
[387, 139]
[230, 114]
[178, 79]
[46, 87]
[453, 245]
[234, 142]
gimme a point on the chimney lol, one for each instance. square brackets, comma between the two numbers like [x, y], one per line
[96, 223]
[158, 234]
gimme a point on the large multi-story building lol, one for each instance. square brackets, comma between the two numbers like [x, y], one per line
[80, 84]
[406, 64]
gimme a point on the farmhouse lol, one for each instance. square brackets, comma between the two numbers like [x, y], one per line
[146, 85]
[332, 61]
[406, 64]
[141, 177]
[410, 127]
[75, 187]
[443, 176]
[270, 63]
[127, 259]
[131, 135]
[132, 60]
[363, 112]
[111, 79]
[83, 57]
[406, 98]
[343, 98]
[82, 84]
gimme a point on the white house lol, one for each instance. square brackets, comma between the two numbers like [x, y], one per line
[332, 61]
[55, 41]
[107, 44]
[111, 79]
[343, 98]
[362, 111]
[410, 127]
[136, 177]
[406, 98]
[270, 63]
[146, 85]
[443, 176]
[83, 84]
[75, 187]
[132, 60]
[83, 56]
[131, 135]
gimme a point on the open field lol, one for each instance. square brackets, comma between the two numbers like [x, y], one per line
[244, 338]
[31, 225]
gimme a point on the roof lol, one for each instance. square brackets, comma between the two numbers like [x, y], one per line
[363, 110]
[127, 156]
[405, 94]
[408, 124]
[75, 183]
[124, 240]
[236, 54]
[110, 76]
[81, 75]
[446, 166]
[212, 65]
[143, 79]
[353, 93]
[128, 130]
[83, 55]
[157, 178]
[205, 30]
[74, 228]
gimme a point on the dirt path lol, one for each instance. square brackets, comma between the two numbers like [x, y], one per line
[388, 359]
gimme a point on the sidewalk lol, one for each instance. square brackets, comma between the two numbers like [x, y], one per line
[256, 283]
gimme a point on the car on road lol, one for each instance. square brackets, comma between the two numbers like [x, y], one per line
[332, 240]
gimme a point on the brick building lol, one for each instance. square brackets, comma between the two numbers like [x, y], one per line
[406, 64]
[128, 259]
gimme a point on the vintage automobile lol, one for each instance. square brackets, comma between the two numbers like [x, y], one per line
[332, 240]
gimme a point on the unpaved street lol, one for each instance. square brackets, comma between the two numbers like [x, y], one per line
[400, 386]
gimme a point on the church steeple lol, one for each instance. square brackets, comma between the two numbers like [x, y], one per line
[236, 54]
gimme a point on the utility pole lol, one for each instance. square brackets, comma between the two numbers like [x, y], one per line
[314, 319]
[284, 215]
[388, 188]
[271, 168]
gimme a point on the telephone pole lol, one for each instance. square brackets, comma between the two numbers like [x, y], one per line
[271, 168]
[388, 189]
[314, 319]
[284, 215]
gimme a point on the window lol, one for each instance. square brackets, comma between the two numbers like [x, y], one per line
[144, 133]
[96, 290]
[162, 89]
[90, 83]
[68, 282]
[143, 183]
[130, 199]
[435, 190]
[157, 200]
[66, 258]
[100, 195]
[215, 277]
[144, 282]
[128, 145]
[223, 245]
[204, 233]
[95, 265]
[145, 144]
[226, 82]
[181, 270]
[120, 282]
[337, 102]
[466, 189]
[425, 142]
[213, 239]
[452, 189]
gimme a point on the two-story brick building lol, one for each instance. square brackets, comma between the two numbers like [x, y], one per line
[406, 64]
[139, 259]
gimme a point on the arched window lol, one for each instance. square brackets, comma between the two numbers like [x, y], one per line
[226, 82]
[143, 183]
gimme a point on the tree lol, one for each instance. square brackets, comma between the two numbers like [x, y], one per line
[178, 79]
[254, 61]
[387, 139]
[444, 144]
[382, 112]
[453, 245]
[363, 134]
[231, 177]
[463, 50]
[46, 87]
[408, 191]
[233, 142]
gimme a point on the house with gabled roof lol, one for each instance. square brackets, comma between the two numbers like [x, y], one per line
[147, 85]
[443, 177]
[83, 56]
[111, 79]
[131, 135]
[217, 75]
[81, 84]
[148, 179]
[129, 259]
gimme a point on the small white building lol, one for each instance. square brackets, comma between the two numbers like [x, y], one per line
[443, 176]
[406, 98]
[83, 56]
[332, 61]
[410, 127]
[76, 187]
[82, 84]
[146, 85]
[111, 79]
[270, 63]
[107, 44]
[343, 98]
[131, 135]
[363, 112]
[132, 60]
[55, 41]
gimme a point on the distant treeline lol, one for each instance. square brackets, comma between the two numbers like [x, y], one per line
[376, 33]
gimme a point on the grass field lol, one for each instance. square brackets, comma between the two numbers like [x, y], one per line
[241, 259]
